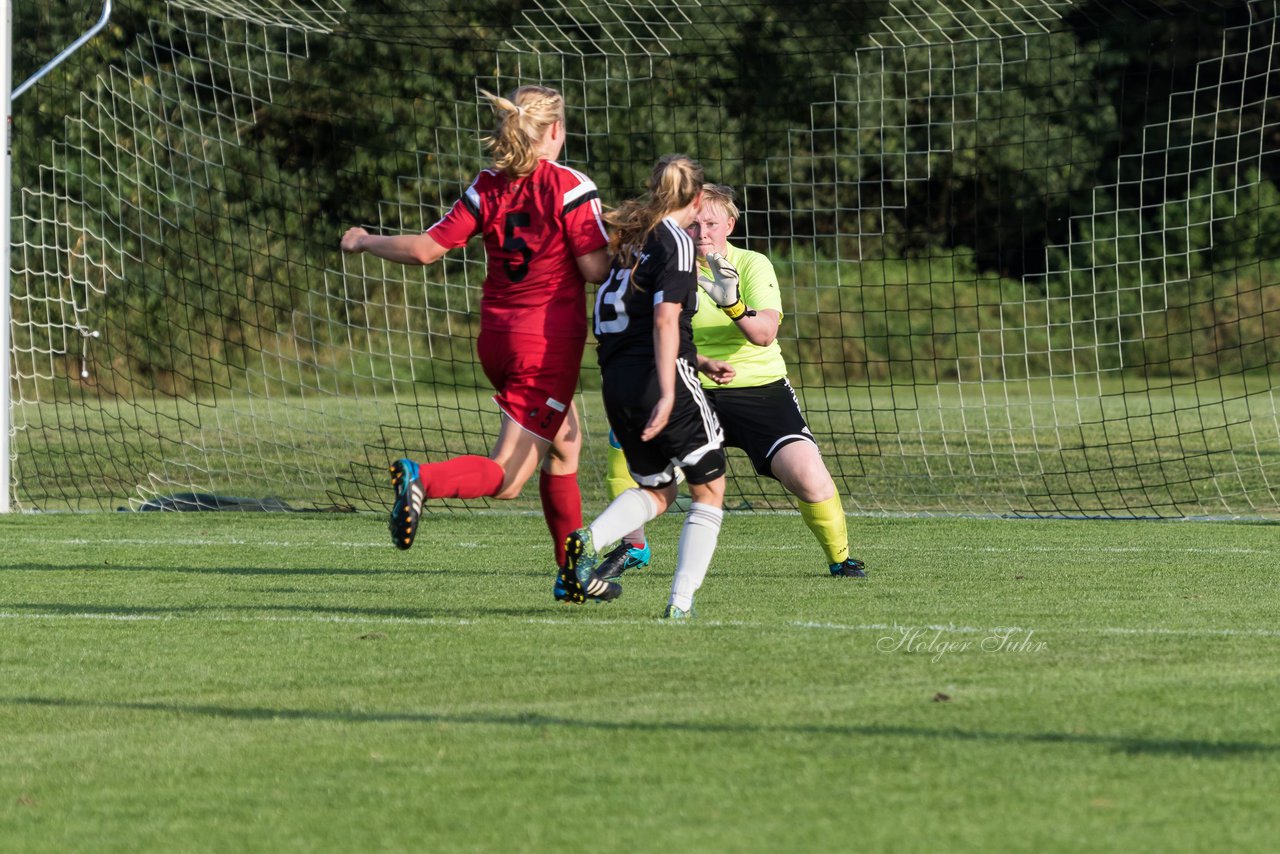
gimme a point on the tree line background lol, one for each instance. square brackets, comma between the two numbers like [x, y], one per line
[936, 186]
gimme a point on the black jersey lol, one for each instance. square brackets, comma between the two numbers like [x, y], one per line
[667, 272]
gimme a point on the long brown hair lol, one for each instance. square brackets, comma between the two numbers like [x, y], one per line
[523, 119]
[675, 182]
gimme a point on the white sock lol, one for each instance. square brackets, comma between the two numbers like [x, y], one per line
[630, 510]
[697, 545]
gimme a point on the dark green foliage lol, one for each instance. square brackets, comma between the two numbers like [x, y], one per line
[992, 161]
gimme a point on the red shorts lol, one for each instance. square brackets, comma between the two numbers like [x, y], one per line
[535, 377]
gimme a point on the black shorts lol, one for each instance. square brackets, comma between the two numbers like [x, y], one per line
[760, 421]
[692, 439]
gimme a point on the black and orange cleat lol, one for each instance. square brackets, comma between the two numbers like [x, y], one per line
[407, 508]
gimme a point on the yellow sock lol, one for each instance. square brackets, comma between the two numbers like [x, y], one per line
[617, 475]
[826, 520]
[618, 480]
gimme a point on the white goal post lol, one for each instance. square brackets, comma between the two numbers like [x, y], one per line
[7, 94]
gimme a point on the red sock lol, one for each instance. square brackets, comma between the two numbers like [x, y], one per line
[562, 507]
[462, 477]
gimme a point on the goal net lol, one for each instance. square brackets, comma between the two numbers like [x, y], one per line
[1030, 249]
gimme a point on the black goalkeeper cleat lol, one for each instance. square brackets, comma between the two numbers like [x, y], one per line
[577, 580]
[851, 568]
[407, 509]
[622, 558]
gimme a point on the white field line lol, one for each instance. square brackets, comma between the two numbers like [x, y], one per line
[737, 624]
[1075, 549]
[723, 546]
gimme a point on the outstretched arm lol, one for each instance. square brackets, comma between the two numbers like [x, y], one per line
[401, 248]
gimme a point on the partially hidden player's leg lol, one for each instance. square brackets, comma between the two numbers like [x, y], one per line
[558, 483]
[617, 476]
[799, 467]
[698, 540]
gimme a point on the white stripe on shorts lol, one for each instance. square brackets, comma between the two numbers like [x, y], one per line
[688, 375]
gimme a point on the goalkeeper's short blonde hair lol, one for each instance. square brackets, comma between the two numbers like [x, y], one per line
[722, 195]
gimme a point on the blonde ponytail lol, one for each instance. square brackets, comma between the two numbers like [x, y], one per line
[523, 119]
[674, 183]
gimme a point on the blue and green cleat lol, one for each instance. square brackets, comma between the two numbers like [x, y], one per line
[623, 557]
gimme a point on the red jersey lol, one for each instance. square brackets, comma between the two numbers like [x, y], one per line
[534, 228]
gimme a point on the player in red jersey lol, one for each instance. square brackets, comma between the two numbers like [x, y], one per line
[543, 239]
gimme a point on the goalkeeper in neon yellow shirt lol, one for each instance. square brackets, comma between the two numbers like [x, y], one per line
[736, 334]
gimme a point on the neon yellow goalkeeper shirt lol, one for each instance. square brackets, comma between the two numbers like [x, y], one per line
[717, 337]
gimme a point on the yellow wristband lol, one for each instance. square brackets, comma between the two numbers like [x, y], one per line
[736, 311]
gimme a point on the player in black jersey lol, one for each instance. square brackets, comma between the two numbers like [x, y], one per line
[652, 395]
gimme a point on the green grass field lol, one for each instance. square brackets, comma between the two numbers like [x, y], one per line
[252, 682]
